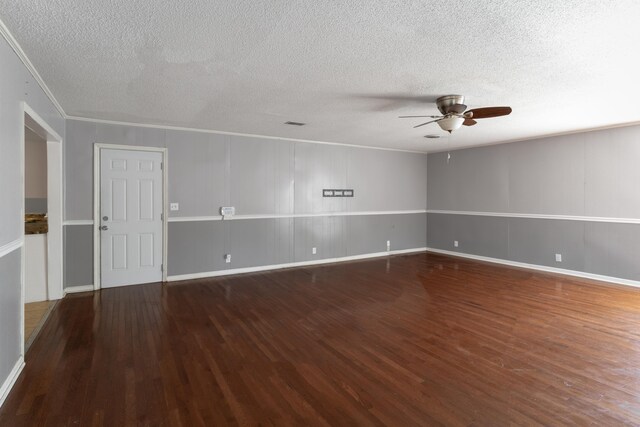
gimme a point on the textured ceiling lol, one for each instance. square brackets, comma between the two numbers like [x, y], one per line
[248, 66]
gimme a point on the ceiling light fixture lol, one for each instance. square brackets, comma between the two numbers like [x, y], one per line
[294, 123]
[432, 136]
[450, 123]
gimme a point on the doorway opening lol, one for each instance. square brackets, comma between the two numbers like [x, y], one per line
[42, 257]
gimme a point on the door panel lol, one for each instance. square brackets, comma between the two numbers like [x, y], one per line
[131, 217]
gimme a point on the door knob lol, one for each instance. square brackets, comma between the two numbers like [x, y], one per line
[104, 227]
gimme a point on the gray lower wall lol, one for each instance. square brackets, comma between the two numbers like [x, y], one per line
[584, 175]
[10, 312]
[602, 248]
[259, 176]
[78, 255]
[200, 246]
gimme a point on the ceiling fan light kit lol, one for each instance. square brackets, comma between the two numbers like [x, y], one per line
[455, 113]
[451, 123]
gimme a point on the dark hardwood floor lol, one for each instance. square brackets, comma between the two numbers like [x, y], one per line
[409, 340]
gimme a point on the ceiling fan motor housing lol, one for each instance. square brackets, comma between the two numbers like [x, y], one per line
[444, 102]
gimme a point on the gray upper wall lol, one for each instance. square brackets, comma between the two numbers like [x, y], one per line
[259, 176]
[593, 174]
[17, 85]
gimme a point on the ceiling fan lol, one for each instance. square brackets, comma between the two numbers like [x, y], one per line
[455, 113]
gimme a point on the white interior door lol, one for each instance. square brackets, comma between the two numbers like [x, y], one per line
[130, 217]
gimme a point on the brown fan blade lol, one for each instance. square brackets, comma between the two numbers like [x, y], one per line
[432, 121]
[487, 112]
[455, 108]
[469, 122]
[410, 117]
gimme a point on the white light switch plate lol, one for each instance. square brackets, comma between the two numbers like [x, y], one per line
[455, 243]
[314, 251]
[558, 257]
[227, 258]
[174, 206]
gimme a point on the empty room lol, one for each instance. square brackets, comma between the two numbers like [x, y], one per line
[319, 213]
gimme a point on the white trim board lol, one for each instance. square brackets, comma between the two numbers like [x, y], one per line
[217, 273]
[220, 132]
[540, 216]
[11, 246]
[78, 289]
[41, 122]
[55, 200]
[8, 384]
[573, 273]
[78, 222]
[264, 216]
[274, 216]
[15, 46]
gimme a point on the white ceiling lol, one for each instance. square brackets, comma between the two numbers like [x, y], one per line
[249, 65]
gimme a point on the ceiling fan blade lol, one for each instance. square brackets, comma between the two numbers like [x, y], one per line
[410, 117]
[391, 101]
[432, 121]
[469, 122]
[487, 112]
[455, 108]
[397, 96]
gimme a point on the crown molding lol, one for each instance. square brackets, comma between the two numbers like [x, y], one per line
[541, 137]
[250, 135]
[27, 63]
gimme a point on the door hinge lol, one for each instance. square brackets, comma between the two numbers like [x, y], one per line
[161, 217]
[162, 267]
[161, 165]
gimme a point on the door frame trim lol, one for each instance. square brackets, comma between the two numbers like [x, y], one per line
[97, 147]
[55, 208]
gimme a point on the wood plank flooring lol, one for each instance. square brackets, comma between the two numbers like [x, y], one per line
[34, 314]
[409, 340]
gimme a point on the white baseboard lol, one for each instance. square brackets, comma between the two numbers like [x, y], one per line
[11, 380]
[288, 265]
[179, 277]
[77, 289]
[574, 273]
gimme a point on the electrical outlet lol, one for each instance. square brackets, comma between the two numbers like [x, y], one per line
[455, 243]
[227, 258]
[558, 257]
[388, 245]
[174, 206]
[314, 251]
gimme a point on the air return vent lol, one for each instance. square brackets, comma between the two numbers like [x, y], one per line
[294, 123]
